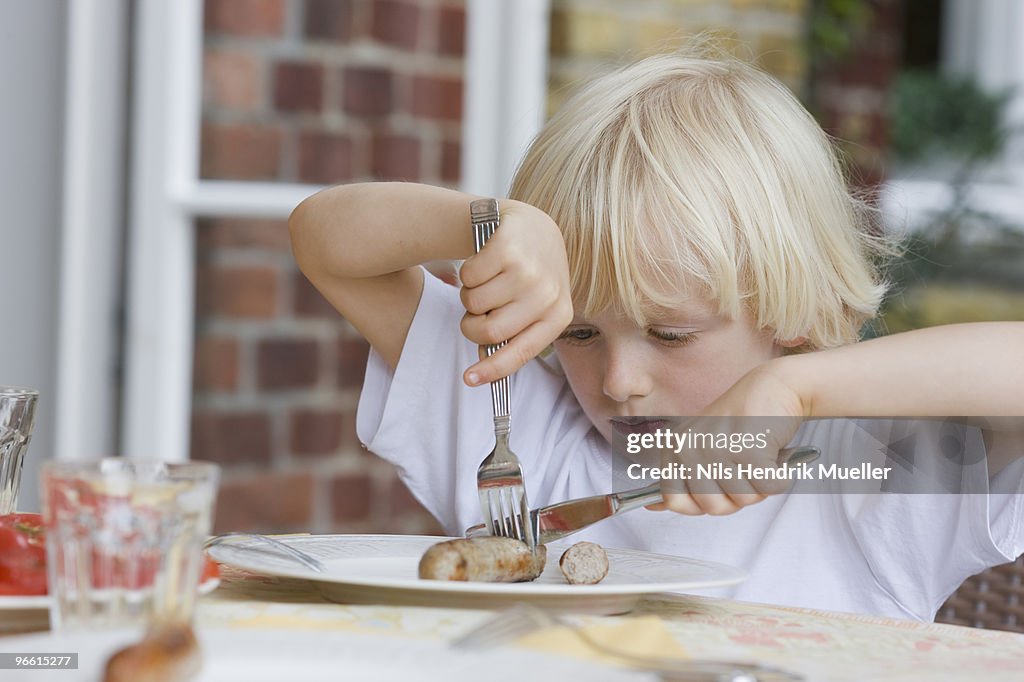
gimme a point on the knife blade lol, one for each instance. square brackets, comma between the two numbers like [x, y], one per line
[555, 521]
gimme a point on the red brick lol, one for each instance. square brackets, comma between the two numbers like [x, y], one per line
[395, 157]
[451, 38]
[396, 23]
[298, 86]
[325, 158]
[245, 17]
[265, 503]
[215, 367]
[401, 500]
[367, 91]
[351, 497]
[288, 363]
[349, 437]
[451, 163]
[229, 438]
[316, 432]
[231, 79]
[261, 233]
[309, 302]
[437, 97]
[329, 20]
[246, 291]
[240, 151]
[352, 355]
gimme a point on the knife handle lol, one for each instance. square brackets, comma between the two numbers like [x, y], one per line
[651, 494]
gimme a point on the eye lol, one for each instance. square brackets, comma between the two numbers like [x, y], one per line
[579, 336]
[673, 338]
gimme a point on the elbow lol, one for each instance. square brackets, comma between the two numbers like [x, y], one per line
[301, 233]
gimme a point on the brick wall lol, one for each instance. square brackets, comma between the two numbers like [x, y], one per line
[851, 94]
[588, 36]
[313, 91]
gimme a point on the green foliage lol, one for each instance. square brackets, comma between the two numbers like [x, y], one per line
[833, 27]
[935, 115]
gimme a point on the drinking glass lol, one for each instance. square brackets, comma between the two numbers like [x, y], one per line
[17, 417]
[124, 540]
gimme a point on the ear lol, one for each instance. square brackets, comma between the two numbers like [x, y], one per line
[792, 343]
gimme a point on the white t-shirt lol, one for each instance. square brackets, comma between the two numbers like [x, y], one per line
[898, 555]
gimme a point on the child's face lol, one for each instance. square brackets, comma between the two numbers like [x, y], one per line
[681, 362]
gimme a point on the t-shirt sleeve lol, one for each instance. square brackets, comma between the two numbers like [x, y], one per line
[922, 545]
[424, 419]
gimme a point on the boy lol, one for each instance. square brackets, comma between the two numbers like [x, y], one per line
[682, 233]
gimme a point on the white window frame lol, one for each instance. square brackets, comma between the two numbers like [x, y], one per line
[504, 95]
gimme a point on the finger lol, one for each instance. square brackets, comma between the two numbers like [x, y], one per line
[740, 492]
[491, 295]
[715, 504]
[681, 503]
[772, 486]
[504, 323]
[517, 352]
[480, 268]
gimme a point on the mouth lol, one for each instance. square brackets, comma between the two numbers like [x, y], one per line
[628, 425]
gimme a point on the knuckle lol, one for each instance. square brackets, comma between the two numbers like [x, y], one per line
[470, 327]
[716, 504]
[745, 499]
[470, 300]
[491, 331]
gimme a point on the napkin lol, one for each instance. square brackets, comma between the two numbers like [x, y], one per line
[641, 636]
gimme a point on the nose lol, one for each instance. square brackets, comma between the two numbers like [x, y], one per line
[625, 375]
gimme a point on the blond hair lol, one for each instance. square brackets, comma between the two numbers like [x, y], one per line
[679, 171]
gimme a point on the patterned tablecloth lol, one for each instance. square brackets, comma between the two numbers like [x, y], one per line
[819, 645]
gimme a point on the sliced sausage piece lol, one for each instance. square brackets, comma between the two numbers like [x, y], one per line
[584, 563]
[487, 559]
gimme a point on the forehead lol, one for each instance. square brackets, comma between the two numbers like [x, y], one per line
[688, 310]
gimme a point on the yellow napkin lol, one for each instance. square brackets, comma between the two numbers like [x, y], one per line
[641, 636]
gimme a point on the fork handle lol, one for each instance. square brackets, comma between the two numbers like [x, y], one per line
[485, 217]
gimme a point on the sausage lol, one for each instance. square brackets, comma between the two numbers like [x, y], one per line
[585, 563]
[167, 654]
[487, 559]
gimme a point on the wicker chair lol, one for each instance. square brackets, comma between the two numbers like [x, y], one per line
[992, 599]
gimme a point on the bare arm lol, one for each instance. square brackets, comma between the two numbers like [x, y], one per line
[963, 369]
[360, 244]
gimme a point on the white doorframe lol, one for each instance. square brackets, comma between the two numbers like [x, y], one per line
[167, 194]
[91, 229]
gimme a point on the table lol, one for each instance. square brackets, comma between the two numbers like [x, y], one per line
[821, 645]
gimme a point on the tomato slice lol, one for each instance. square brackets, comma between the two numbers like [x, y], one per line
[211, 570]
[23, 560]
[22, 554]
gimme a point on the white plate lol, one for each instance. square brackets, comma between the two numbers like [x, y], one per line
[271, 656]
[382, 569]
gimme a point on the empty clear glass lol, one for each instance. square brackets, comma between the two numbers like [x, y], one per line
[124, 540]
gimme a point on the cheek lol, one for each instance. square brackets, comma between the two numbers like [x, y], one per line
[584, 377]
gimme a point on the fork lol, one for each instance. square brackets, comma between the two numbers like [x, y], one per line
[523, 619]
[499, 479]
[287, 550]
